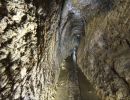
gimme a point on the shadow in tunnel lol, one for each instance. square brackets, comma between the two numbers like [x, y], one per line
[86, 89]
[73, 85]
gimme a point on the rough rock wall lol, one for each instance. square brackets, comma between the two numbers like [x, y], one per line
[104, 55]
[71, 31]
[27, 43]
[30, 42]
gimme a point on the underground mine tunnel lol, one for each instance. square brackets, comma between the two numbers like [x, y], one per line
[64, 50]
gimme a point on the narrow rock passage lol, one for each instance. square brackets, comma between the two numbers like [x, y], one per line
[68, 86]
[86, 90]
[73, 85]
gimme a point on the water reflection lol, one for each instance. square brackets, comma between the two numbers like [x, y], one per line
[73, 85]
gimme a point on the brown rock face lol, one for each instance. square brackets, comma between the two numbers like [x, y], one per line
[36, 36]
[27, 44]
[103, 54]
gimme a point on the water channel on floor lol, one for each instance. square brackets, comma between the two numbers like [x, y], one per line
[72, 87]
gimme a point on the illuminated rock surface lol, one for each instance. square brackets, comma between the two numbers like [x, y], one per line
[90, 37]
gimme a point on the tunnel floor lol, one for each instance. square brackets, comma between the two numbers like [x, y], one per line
[67, 90]
[86, 89]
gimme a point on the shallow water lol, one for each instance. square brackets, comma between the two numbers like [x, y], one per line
[86, 89]
[68, 85]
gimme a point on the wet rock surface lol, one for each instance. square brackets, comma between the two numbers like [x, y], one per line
[104, 52]
[36, 36]
[68, 84]
[87, 91]
[73, 85]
